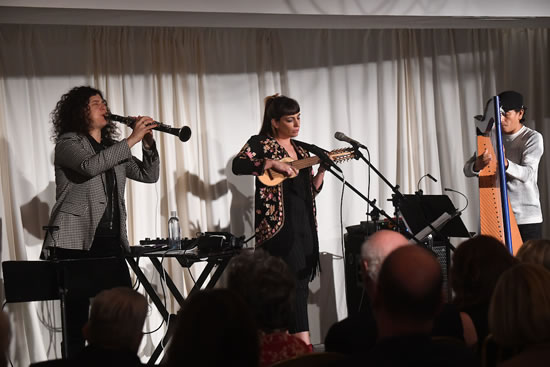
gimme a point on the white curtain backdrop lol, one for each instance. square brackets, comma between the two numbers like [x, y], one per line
[408, 95]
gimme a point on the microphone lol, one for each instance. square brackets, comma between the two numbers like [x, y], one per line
[321, 153]
[420, 192]
[183, 133]
[343, 137]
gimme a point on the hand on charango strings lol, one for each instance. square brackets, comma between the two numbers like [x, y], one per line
[284, 168]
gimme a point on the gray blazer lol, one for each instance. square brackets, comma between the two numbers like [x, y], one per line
[81, 194]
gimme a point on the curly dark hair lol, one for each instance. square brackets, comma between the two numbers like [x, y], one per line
[71, 114]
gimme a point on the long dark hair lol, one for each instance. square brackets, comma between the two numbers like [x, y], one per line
[214, 328]
[476, 266]
[277, 106]
[72, 114]
[266, 284]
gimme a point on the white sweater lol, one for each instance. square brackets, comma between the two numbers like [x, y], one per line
[523, 150]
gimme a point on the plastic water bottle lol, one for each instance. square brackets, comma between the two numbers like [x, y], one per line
[174, 231]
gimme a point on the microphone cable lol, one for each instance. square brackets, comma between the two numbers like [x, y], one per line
[368, 211]
[458, 192]
[137, 284]
[342, 240]
[249, 239]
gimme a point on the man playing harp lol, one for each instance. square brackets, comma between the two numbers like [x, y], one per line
[523, 149]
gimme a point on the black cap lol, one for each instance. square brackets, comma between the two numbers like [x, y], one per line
[511, 100]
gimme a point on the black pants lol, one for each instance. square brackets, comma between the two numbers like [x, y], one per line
[76, 305]
[531, 231]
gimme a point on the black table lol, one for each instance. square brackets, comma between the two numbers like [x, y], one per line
[186, 259]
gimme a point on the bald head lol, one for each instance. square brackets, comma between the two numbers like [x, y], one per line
[377, 247]
[410, 284]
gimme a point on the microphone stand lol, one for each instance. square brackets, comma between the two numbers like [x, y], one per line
[397, 197]
[372, 203]
[329, 165]
[60, 279]
[395, 189]
[320, 153]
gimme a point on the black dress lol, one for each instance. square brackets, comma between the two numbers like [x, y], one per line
[296, 243]
[284, 217]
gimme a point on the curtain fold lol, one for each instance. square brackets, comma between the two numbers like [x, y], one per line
[408, 95]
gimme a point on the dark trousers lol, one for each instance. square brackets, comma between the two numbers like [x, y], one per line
[77, 306]
[531, 231]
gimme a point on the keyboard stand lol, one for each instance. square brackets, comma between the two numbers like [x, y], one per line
[218, 260]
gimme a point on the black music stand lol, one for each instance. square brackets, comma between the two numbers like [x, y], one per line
[419, 211]
[435, 215]
[28, 281]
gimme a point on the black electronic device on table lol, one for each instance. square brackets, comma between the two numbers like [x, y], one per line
[159, 244]
[206, 242]
[154, 242]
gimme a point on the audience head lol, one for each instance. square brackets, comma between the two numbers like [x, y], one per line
[374, 250]
[535, 252]
[5, 336]
[476, 266]
[519, 314]
[409, 288]
[214, 328]
[116, 319]
[266, 284]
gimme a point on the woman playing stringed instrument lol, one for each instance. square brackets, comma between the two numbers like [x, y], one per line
[285, 218]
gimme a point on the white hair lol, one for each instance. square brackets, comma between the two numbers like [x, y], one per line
[377, 247]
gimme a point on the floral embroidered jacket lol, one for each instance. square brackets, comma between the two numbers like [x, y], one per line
[269, 201]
